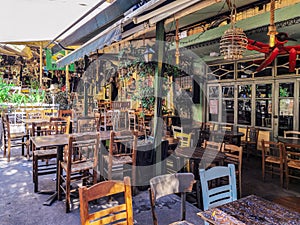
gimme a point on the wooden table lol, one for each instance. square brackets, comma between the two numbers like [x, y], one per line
[227, 135]
[59, 141]
[295, 142]
[251, 210]
[200, 158]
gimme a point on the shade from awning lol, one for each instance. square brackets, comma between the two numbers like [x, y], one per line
[98, 42]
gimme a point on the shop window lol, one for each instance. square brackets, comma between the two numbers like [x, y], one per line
[244, 104]
[228, 104]
[263, 105]
[213, 103]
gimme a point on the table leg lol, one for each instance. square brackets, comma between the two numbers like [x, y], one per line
[54, 195]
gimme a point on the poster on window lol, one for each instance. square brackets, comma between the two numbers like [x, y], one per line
[213, 106]
[286, 107]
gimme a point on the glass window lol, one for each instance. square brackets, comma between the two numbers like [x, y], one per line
[244, 104]
[263, 105]
[286, 90]
[228, 104]
[213, 103]
[244, 111]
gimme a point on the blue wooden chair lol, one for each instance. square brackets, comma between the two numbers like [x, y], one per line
[220, 193]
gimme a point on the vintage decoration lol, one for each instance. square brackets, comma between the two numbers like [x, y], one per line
[276, 45]
[234, 41]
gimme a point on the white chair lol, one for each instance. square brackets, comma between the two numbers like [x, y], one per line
[219, 194]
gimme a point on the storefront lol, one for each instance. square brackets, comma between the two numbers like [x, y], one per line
[268, 99]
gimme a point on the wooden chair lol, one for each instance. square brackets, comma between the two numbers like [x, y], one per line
[132, 121]
[212, 147]
[272, 159]
[33, 114]
[184, 139]
[80, 164]
[291, 134]
[87, 124]
[214, 196]
[11, 140]
[292, 162]
[250, 143]
[170, 184]
[176, 129]
[263, 134]
[121, 158]
[119, 214]
[65, 113]
[44, 155]
[234, 155]
[50, 113]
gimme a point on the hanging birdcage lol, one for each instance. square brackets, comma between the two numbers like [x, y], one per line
[234, 41]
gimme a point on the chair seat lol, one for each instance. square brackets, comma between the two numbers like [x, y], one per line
[17, 135]
[119, 159]
[43, 153]
[294, 164]
[273, 159]
[78, 166]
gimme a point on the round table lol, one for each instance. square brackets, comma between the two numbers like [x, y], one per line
[228, 135]
[295, 142]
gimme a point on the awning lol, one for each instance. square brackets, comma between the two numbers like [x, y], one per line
[105, 38]
[94, 26]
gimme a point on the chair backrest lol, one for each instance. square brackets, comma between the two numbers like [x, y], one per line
[169, 184]
[50, 113]
[252, 135]
[63, 124]
[123, 144]
[208, 126]
[131, 119]
[263, 134]
[211, 145]
[83, 147]
[86, 124]
[234, 155]
[113, 118]
[243, 130]
[292, 134]
[184, 139]
[177, 129]
[65, 113]
[220, 194]
[35, 114]
[270, 148]
[54, 126]
[119, 214]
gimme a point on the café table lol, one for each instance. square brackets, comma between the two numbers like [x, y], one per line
[251, 210]
[200, 157]
[295, 142]
[59, 141]
[231, 136]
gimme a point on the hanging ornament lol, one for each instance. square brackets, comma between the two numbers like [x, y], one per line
[234, 41]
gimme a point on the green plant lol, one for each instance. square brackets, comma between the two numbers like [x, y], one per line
[283, 92]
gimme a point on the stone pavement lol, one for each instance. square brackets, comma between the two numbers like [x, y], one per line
[19, 205]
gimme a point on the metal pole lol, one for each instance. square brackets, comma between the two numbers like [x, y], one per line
[158, 125]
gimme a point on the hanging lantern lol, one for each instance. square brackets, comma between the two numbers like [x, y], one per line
[234, 41]
[148, 54]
